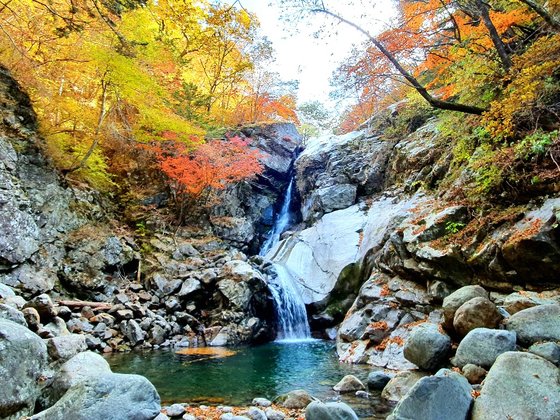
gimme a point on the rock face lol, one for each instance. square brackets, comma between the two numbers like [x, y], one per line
[23, 361]
[482, 346]
[427, 347]
[436, 397]
[539, 323]
[519, 385]
[110, 396]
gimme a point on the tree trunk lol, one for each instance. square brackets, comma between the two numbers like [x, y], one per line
[434, 102]
[494, 35]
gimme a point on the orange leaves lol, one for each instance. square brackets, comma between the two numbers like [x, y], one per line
[213, 165]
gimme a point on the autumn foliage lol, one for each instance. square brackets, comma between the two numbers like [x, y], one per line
[194, 175]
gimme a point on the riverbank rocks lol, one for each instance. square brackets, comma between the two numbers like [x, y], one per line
[329, 411]
[107, 396]
[298, 398]
[23, 360]
[519, 386]
[447, 395]
[482, 346]
[427, 347]
[349, 384]
[64, 347]
[475, 313]
[456, 299]
[539, 323]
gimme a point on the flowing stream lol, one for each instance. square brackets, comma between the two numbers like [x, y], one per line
[291, 315]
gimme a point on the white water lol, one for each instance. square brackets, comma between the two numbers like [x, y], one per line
[290, 310]
[281, 222]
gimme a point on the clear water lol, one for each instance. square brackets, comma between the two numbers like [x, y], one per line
[264, 371]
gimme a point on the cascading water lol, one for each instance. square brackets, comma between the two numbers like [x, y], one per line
[290, 310]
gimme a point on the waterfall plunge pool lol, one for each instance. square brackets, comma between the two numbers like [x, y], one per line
[262, 371]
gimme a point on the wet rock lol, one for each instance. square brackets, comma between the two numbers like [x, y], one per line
[378, 379]
[23, 360]
[67, 346]
[349, 384]
[548, 351]
[397, 387]
[482, 346]
[519, 386]
[107, 396]
[298, 398]
[474, 374]
[329, 411]
[427, 347]
[478, 312]
[436, 397]
[539, 323]
[452, 302]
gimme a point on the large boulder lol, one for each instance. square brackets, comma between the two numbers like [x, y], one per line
[23, 359]
[107, 396]
[478, 312]
[79, 368]
[427, 347]
[482, 346]
[443, 396]
[329, 411]
[12, 314]
[549, 351]
[519, 386]
[539, 323]
[454, 301]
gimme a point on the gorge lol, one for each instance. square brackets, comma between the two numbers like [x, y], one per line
[381, 248]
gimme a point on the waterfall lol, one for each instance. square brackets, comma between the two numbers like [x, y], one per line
[290, 310]
[281, 222]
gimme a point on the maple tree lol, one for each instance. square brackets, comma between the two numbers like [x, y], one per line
[195, 174]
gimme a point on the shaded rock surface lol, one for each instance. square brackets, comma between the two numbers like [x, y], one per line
[539, 323]
[482, 346]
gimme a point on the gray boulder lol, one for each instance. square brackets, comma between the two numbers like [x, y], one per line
[519, 386]
[78, 369]
[12, 314]
[439, 397]
[378, 379]
[349, 384]
[272, 414]
[255, 413]
[108, 396]
[189, 286]
[261, 402]
[175, 410]
[23, 358]
[133, 332]
[427, 347]
[452, 302]
[66, 346]
[548, 351]
[482, 346]
[329, 411]
[539, 323]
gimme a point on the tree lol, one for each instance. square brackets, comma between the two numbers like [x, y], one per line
[195, 175]
[318, 6]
